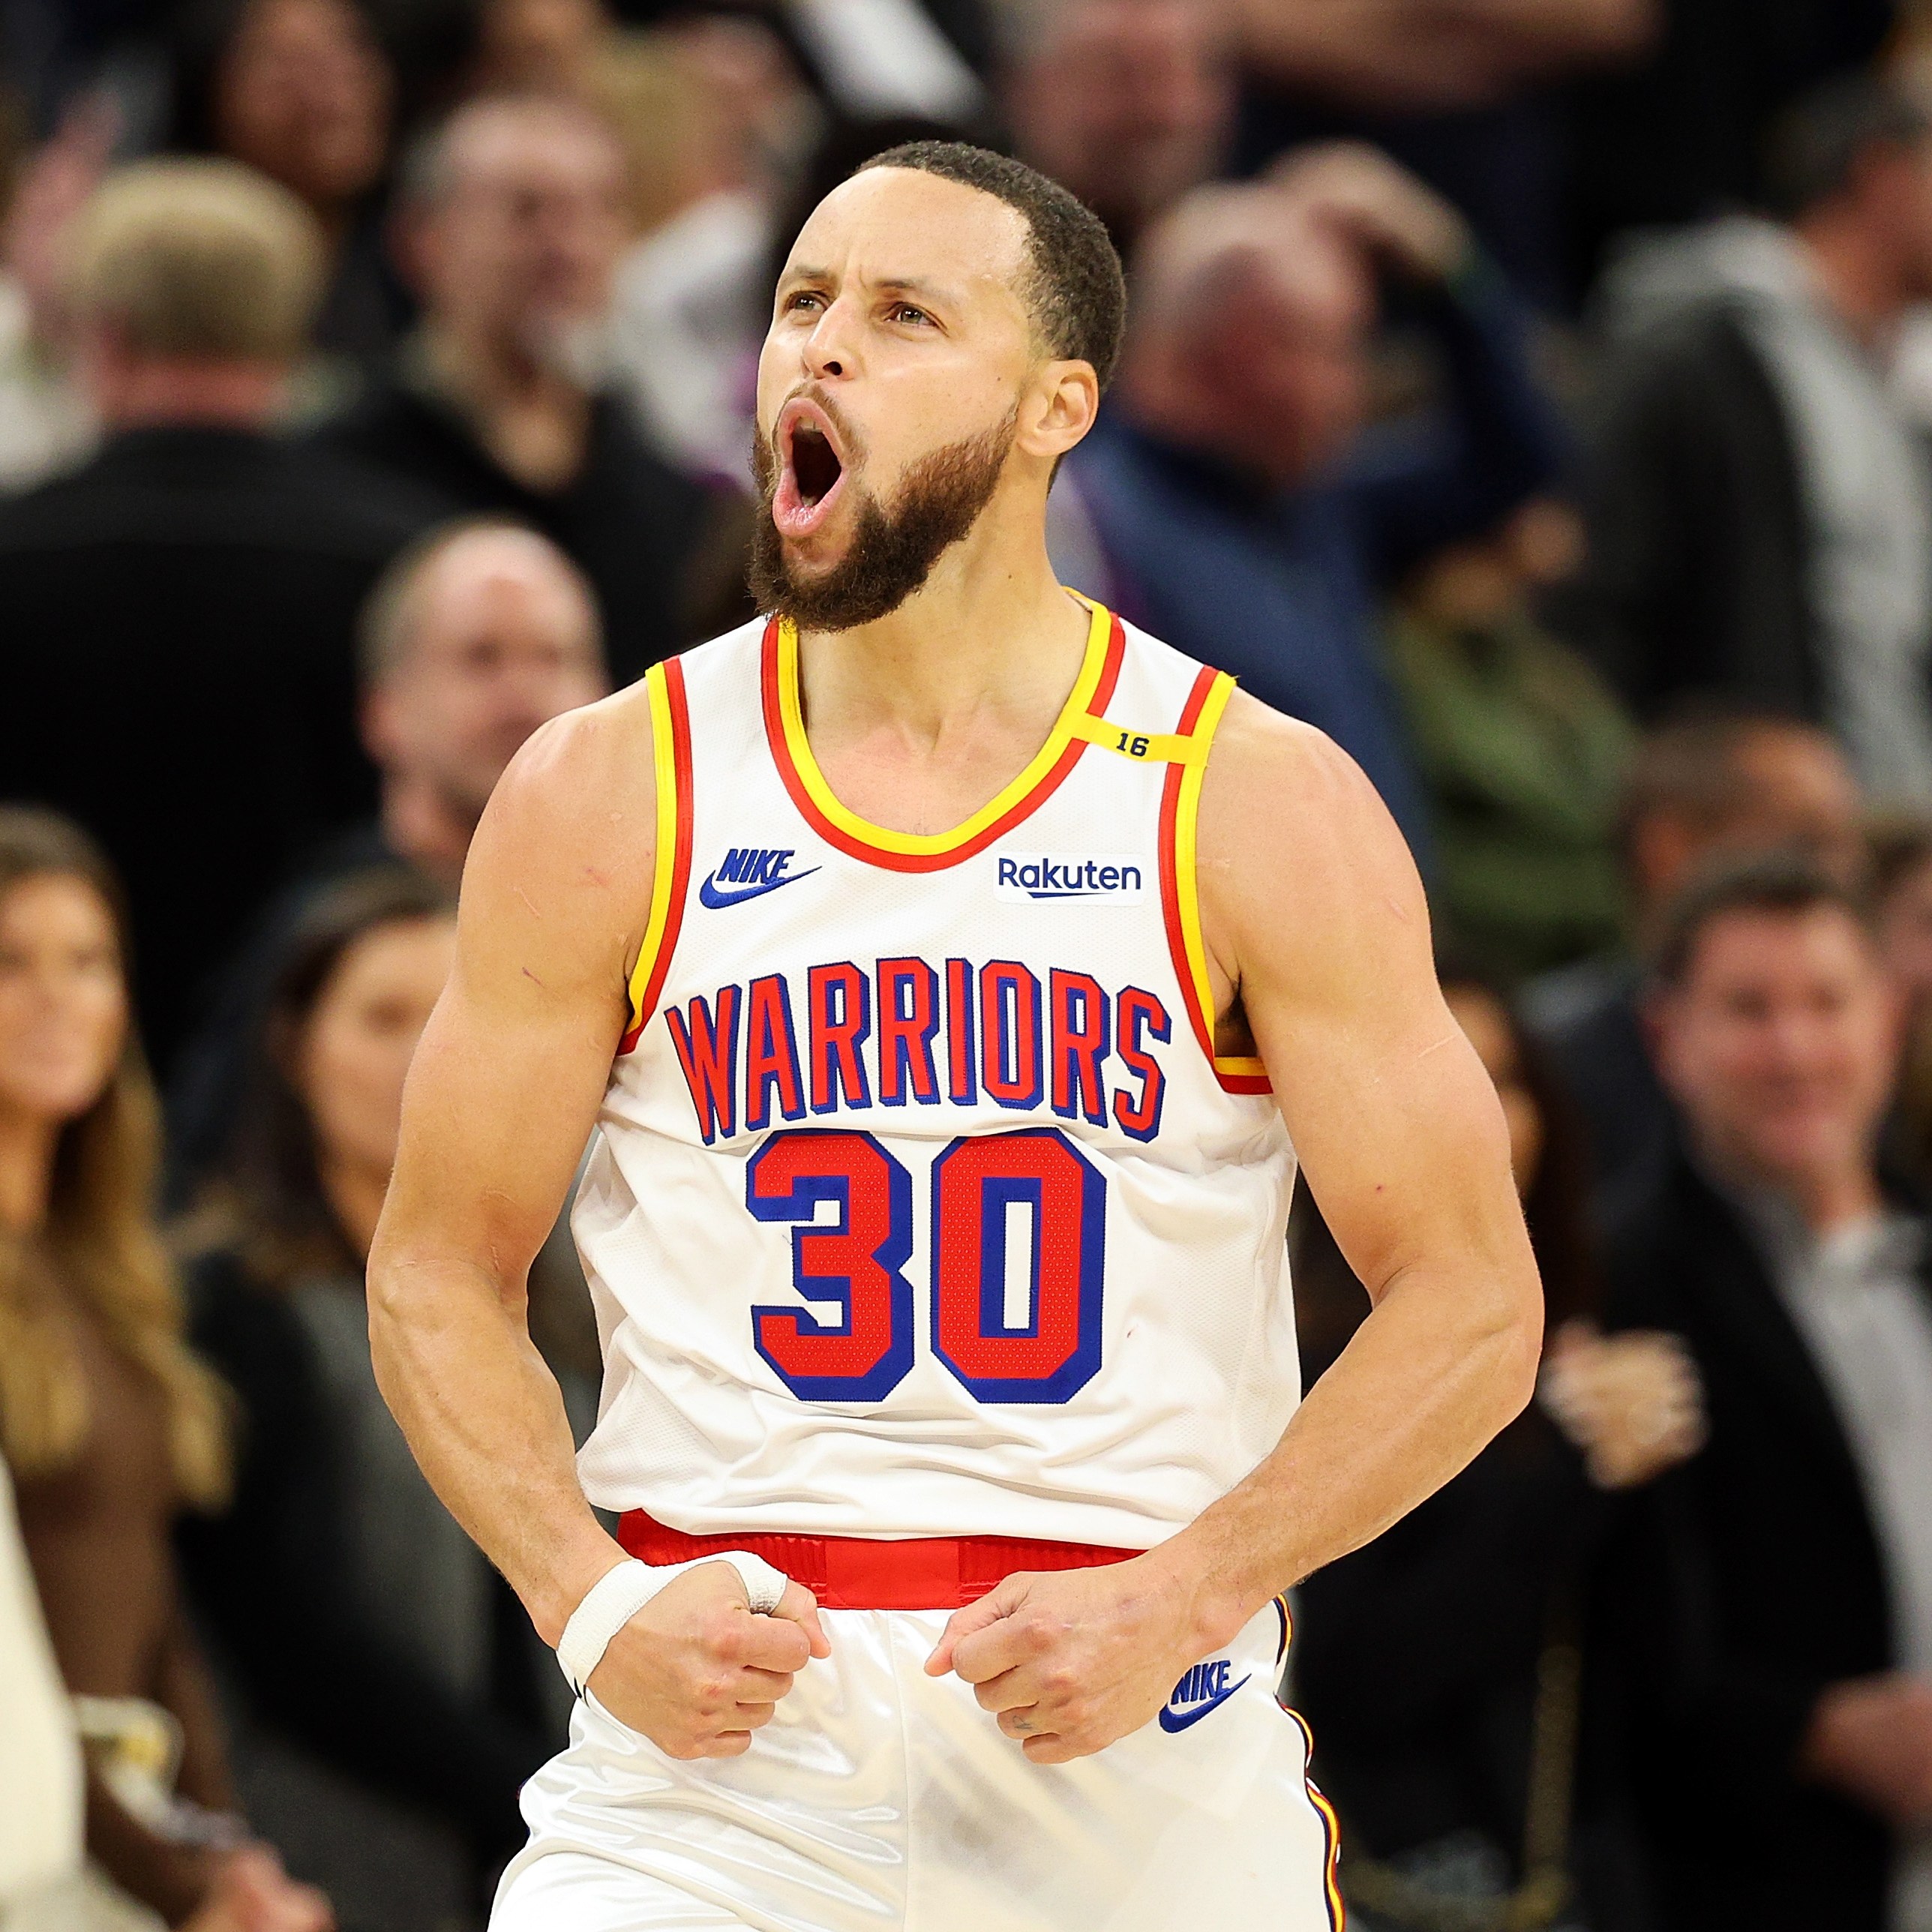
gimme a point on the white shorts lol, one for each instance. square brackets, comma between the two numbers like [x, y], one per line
[882, 1800]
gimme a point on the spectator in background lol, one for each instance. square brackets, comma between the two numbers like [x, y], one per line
[478, 633]
[1708, 785]
[177, 651]
[303, 92]
[1760, 508]
[1128, 103]
[109, 1426]
[510, 226]
[398, 1703]
[1780, 1603]
[1230, 499]
[1520, 746]
[1438, 1666]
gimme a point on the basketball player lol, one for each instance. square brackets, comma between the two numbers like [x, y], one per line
[954, 976]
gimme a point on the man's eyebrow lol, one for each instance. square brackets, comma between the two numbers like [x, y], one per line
[920, 286]
[916, 285]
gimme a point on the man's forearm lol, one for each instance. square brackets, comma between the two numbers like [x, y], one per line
[1408, 1403]
[486, 1421]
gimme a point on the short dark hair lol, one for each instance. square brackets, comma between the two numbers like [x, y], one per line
[1815, 146]
[1076, 289]
[1785, 883]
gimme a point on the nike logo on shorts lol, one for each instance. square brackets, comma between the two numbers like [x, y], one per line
[1205, 1688]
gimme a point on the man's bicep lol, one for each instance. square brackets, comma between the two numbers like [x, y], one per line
[1398, 1130]
[506, 1083]
[1396, 1123]
[495, 1120]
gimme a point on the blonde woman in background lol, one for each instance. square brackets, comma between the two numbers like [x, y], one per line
[110, 1427]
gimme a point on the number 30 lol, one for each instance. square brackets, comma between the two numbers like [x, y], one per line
[856, 1265]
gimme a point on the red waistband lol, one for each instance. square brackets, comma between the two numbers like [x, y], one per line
[857, 1573]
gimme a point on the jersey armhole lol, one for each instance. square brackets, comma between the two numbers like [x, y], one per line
[670, 879]
[1181, 899]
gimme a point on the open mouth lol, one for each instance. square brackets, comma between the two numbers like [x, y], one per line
[814, 470]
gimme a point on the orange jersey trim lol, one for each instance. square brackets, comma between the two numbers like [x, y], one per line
[671, 748]
[930, 852]
[1180, 887]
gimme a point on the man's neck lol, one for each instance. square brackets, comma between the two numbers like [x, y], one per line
[920, 718]
[1858, 279]
[533, 419]
[182, 394]
[421, 826]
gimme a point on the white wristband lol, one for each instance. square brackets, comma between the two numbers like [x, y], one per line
[618, 1595]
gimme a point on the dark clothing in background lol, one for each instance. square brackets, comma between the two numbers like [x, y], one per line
[637, 529]
[1587, 1016]
[1416, 1659]
[1282, 590]
[365, 309]
[1699, 544]
[1755, 1580]
[345, 1672]
[1680, 133]
[177, 658]
[97, 1534]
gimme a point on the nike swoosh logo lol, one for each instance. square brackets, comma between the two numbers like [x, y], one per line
[1179, 1720]
[715, 895]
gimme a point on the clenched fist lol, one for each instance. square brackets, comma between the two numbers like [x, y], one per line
[698, 1672]
[1071, 1659]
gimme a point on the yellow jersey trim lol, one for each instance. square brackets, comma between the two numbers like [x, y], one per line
[1187, 818]
[664, 754]
[921, 844]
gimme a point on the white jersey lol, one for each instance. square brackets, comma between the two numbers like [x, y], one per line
[921, 1206]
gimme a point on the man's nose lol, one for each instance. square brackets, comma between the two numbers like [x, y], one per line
[831, 349]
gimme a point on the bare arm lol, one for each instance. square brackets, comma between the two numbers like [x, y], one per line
[502, 1097]
[1318, 935]
[1403, 1143]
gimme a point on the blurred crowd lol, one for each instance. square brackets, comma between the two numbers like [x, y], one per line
[1535, 394]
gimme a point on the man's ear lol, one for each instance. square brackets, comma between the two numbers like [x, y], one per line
[1059, 409]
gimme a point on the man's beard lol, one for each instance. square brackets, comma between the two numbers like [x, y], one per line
[893, 551]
